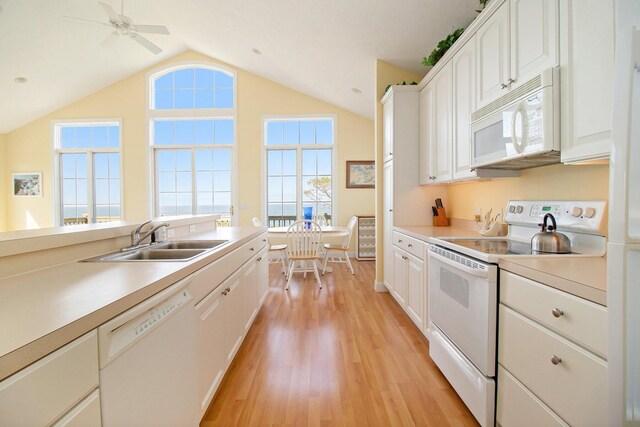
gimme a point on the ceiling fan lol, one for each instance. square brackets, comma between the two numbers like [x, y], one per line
[122, 25]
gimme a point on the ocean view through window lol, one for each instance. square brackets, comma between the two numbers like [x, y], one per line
[299, 168]
[192, 130]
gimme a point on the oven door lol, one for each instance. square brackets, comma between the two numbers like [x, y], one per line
[463, 298]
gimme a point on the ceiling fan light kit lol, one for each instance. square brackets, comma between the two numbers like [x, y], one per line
[124, 26]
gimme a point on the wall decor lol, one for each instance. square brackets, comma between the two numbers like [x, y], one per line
[27, 184]
[361, 174]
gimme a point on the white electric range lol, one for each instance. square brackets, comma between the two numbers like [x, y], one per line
[464, 287]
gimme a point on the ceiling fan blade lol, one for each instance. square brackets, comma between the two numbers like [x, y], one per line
[87, 21]
[113, 15]
[145, 43]
[152, 29]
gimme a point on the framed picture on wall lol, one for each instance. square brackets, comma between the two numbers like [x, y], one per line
[361, 174]
[27, 184]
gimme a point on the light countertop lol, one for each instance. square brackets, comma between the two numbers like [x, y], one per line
[43, 310]
[585, 277]
[423, 232]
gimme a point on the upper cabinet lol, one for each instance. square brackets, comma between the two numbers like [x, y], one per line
[387, 125]
[427, 166]
[516, 43]
[492, 41]
[586, 100]
[463, 67]
[443, 138]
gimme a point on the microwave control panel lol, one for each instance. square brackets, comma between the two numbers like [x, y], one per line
[585, 216]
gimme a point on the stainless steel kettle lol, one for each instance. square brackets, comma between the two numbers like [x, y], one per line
[549, 240]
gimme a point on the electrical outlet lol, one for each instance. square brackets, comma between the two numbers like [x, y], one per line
[192, 228]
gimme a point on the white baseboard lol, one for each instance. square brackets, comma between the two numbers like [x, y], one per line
[380, 287]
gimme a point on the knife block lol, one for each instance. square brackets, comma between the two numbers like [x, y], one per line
[441, 220]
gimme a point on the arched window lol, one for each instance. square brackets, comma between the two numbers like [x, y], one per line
[192, 112]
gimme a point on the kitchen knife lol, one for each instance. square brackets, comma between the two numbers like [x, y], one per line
[435, 210]
[439, 203]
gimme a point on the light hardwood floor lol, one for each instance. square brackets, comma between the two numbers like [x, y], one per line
[343, 355]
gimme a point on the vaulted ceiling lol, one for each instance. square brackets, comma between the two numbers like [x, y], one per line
[322, 48]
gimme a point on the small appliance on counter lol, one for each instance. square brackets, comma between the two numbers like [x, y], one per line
[463, 288]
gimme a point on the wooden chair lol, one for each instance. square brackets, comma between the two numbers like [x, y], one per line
[303, 241]
[281, 250]
[341, 249]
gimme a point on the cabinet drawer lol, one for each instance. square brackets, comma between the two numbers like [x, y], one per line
[42, 392]
[84, 414]
[579, 320]
[414, 246]
[575, 388]
[517, 406]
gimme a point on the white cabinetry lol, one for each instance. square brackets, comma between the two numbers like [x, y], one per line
[464, 95]
[388, 129]
[65, 382]
[587, 40]
[516, 43]
[550, 355]
[492, 41]
[403, 203]
[427, 142]
[443, 124]
[410, 278]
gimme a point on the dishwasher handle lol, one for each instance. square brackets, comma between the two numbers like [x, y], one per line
[120, 333]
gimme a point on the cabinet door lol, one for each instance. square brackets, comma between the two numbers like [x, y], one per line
[587, 41]
[213, 347]
[464, 76]
[492, 41]
[249, 292]
[262, 283]
[415, 290]
[427, 172]
[443, 124]
[84, 414]
[400, 276]
[235, 319]
[387, 223]
[387, 130]
[534, 38]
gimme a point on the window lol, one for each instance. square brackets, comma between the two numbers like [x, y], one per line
[299, 168]
[88, 172]
[192, 132]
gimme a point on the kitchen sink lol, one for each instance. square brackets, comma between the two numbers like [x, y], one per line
[178, 250]
[191, 244]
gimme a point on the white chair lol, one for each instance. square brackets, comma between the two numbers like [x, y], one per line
[281, 250]
[321, 219]
[341, 249]
[303, 241]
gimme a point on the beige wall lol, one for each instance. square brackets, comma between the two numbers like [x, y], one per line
[386, 74]
[4, 179]
[557, 182]
[29, 147]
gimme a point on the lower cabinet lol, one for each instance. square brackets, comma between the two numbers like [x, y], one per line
[409, 284]
[546, 368]
[59, 389]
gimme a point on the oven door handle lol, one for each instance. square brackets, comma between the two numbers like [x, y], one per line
[459, 266]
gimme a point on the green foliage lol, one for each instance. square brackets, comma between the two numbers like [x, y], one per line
[398, 84]
[483, 3]
[442, 48]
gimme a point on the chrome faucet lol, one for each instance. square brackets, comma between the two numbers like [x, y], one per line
[137, 237]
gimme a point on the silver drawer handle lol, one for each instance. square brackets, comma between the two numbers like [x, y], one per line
[410, 245]
[259, 259]
[557, 312]
[225, 292]
[556, 360]
[251, 249]
[399, 240]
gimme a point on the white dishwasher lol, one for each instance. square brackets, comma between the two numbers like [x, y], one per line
[148, 362]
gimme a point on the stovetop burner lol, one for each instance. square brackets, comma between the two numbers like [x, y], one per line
[496, 246]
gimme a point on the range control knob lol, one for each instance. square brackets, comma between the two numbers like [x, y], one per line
[519, 209]
[576, 211]
[589, 212]
[512, 209]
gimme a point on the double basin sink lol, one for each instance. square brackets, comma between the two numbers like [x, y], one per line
[177, 250]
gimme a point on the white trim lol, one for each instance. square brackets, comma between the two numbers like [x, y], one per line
[380, 286]
[299, 148]
[186, 114]
[57, 150]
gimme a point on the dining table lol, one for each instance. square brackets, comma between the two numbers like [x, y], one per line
[327, 231]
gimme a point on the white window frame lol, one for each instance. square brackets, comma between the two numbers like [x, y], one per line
[190, 114]
[334, 161]
[56, 125]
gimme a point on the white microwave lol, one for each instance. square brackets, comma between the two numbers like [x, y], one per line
[521, 129]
